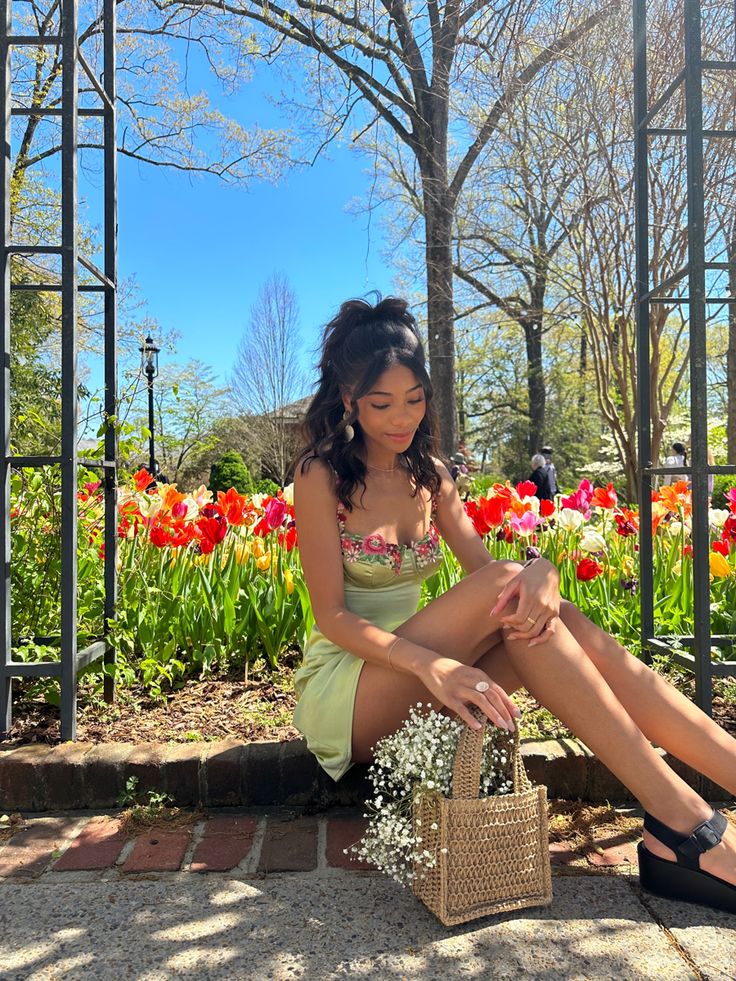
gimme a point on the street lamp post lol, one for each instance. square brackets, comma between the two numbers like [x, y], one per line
[149, 367]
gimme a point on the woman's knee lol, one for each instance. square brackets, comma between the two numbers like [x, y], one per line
[499, 573]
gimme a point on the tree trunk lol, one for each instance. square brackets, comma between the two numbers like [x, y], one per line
[440, 322]
[583, 370]
[535, 383]
[731, 354]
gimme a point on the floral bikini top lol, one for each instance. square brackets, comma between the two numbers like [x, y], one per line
[382, 562]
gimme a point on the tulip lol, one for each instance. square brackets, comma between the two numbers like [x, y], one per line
[588, 569]
[525, 524]
[570, 520]
[719, 567]
[592, 541]
[722, 547]
[604, 497]
[288, 494]
[717, 517]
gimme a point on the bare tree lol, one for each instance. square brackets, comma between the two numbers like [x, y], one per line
[398, 67]
[598, 267]
[508, 230]
[267, 375]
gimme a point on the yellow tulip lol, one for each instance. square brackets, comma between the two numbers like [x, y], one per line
[258, 547]
[264, 561]
[289, 579]
[719, 565]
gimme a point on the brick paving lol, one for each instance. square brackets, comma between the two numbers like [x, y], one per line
[222, 842]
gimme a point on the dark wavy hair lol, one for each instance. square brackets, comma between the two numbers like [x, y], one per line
[358, 345]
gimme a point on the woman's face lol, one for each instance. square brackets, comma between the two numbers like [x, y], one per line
[390, 413]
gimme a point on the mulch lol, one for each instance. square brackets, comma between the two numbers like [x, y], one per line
[231, 706]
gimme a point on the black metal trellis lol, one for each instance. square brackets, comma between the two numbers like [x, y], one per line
[696, 654]
[71, 660]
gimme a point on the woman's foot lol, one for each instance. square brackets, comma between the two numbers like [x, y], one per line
[719, 861]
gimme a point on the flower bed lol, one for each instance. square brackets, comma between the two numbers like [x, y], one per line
[210, 582]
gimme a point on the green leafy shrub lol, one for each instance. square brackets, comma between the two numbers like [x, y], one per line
[230, 471]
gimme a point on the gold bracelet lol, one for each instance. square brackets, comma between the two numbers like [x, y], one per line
[390, 651]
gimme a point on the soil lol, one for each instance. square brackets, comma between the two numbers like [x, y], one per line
[230, 706]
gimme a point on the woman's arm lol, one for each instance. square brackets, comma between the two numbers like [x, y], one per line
[456, 527]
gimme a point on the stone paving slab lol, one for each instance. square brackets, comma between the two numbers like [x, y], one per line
[707, 936]
[321, 926]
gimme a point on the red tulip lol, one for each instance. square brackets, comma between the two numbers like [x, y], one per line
[212, 527]
[477, 517]
[160, 535]
[288, 538]
[729, 529]
[492, 510]
[722, 547]
[527, 488]
[588, 569]
[604, 497]
[546, 508]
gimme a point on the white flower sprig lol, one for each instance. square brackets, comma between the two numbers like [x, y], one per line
[419, 757]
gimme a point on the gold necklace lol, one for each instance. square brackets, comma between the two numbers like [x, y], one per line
[370, 466]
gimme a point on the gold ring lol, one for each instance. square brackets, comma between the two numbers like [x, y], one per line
[531, 619]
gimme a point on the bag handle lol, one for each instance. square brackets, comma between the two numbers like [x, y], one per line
[468, 756]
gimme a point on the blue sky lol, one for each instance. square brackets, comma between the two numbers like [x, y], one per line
[200, 249]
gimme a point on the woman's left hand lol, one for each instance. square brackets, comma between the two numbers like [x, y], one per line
[537, 589]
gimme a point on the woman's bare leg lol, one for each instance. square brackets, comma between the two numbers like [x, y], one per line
[581, 697]
[458, 624]
[663, 714]
[562, 677]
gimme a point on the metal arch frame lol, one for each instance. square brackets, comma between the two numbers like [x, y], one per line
[699, 659]
[71, 660]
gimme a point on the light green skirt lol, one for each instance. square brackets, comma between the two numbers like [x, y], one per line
[328, 678]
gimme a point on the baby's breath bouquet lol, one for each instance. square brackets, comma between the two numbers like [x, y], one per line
[418, 758]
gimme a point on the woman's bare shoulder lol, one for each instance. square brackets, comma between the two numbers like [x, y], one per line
[314, 476]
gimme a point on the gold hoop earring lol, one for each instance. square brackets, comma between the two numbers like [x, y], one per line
[348, 431]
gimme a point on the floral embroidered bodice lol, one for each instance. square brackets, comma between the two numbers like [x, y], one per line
[371, 560]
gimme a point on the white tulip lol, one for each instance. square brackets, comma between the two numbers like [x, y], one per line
[289, 493]
[592, 541]
[717, 517]
[569, 519]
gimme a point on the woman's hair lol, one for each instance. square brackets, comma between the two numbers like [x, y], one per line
[679, 448]
[538, 461]
[359, 344]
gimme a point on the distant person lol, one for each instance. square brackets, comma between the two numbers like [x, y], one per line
[711, 477]
[550, 469]
[468, 458]
[459, 473]
[677, 459]
[540, 477]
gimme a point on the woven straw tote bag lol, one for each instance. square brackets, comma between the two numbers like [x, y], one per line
[497, 849]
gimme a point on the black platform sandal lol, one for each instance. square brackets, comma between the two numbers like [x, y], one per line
[684, 879]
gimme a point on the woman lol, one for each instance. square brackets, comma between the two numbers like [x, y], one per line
[540, 478]
[676, 460]
[371, 500]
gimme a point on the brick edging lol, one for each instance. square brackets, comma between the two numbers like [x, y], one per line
[233, 773]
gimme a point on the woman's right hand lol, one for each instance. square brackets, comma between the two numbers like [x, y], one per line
[453, 685]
